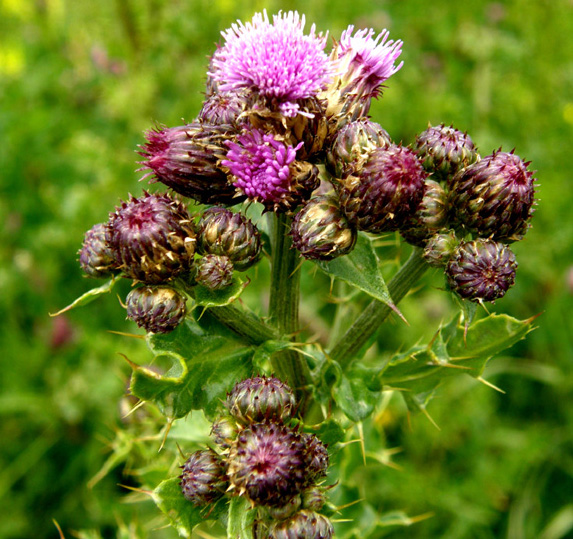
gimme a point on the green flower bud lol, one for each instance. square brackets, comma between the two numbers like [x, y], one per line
[352, 147]
[203, 480]
[440, 248]
[261, 398]
[285, 511]
[445, 150]
[214, 272]
[386, 192]
[321, 231]
[481, 270]
[303, 525]
[224, 233]
[224, 431]
[152, 238]
[157, 309]
[494, 197]
[96, 256]
[313, 498]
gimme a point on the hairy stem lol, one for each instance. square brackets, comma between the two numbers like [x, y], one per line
[244, 323]
[366, 325]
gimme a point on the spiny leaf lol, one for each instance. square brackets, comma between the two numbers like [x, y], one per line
[89, 296]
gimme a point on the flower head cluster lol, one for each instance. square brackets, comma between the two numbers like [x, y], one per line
[276, 61]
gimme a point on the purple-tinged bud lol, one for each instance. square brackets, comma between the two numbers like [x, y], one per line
[267, 463]
[494, 197]
[224, 431]
[440, 248]
[96, 256]
[214, 271]
[430, 217]
[386, 192]
[320, 230]
[224, 108]
[188, 160]
[445, 150]
[222, 232]
[317, 458]
[303, 525]
[261, 398]
[152, 238]
[352, 147]
[203, 480]
[481, 270]
[313, 498]
[157, 309]
[285, 511]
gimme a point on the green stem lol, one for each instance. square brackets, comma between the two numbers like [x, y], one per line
[366, 325]
[244, 323]
[284, 302]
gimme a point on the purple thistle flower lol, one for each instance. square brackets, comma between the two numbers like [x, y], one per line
[276, 61]
[260, 165]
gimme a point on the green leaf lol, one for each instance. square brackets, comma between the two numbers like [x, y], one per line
[241, 519]
[205, 297]
[182, 514]
[329, 432]
[355, 395]
[89, 296]
[200, 370]
[361, 269]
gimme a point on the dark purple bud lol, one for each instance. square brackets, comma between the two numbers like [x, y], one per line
[222, 232]
[203, 480]
[267, 464]
[481, 270]
[157, 309]
[214, 271]
[303, 525]
[352, 147]
[261, 398]
[321, 231]
[96, 256]
[494, 197]
[445, 150]
[430, 216]
[152, 238]
[188, 160]
[386, 192]
[317, 458]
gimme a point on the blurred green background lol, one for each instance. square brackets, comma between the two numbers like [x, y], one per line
[81, 81]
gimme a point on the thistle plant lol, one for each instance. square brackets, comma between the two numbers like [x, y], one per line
[283, 173]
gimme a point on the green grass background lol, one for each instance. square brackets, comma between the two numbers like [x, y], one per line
[81, 81]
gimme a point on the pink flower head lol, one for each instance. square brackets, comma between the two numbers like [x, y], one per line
[365, 61]
[276, 61]
[260, 164]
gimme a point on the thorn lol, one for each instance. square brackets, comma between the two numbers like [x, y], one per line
[360, 428]
[138, 490]
[130, 335]
[340, 507]
[430, 418]
[169, 425]
[131, 363]
[134, 409]
[60, 532]
[489, 384]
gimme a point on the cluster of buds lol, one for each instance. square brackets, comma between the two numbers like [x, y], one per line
[154, 241]
[262, 457]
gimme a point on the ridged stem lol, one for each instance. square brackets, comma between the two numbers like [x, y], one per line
[288, 365]
[244, 323]
[366, 325]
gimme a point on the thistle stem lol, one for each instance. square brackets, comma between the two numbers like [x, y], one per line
[284, 303]
[366, 325]
[244, 323]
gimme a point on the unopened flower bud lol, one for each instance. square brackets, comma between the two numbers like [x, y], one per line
[152, 238]
[386, 192]
[261, 398]
[430, 216]
[481, 270]
[494, 197]
[157, 309]
[96, 256]
[222, 232]
[224, 431]
[445, 150]
[285, 511]
[214, 271]
[303, 525]
[187, 159]
[267, 463]
[321, 231]
[313, 498]
[440, 248]
[224, 108]
[203, 479]
[317, 458]
[352, 146]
